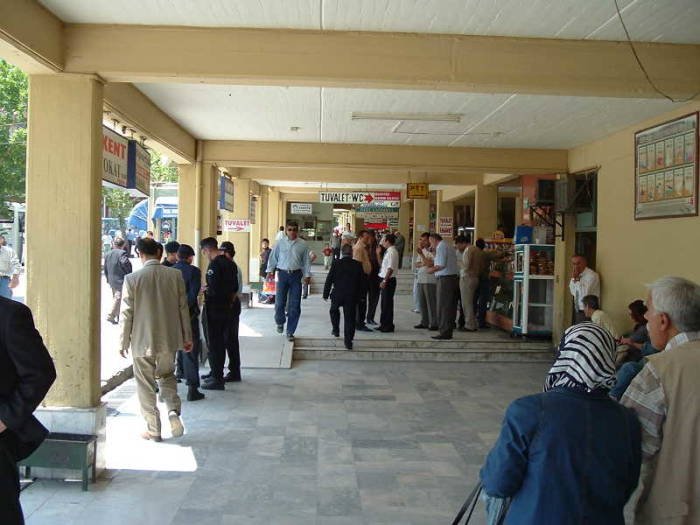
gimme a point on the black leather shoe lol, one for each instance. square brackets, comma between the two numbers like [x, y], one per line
[230, 378]
[441, 337]
[385, 330]
[280, 328]
[335, 334]
[363, 328]
[420, 326]
[194, 395]
[212, 384]
[348, 346]
[206, 376]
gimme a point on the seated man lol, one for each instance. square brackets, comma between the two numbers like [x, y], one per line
[593, 313]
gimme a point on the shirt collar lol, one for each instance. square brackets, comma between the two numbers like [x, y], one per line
[151, 262]
[682, 338]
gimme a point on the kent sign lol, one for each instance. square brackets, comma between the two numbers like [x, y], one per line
[115, 158]
[358, 197]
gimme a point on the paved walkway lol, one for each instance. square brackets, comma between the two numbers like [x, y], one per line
[323, 443]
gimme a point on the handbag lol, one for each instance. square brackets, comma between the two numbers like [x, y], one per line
[469, 505]
[496, 508]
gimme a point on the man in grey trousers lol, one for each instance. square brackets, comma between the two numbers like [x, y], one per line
[447, 272]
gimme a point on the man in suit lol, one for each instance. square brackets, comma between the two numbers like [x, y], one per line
[116, 266]
[155, 323]
[345, 277]
[26, 374]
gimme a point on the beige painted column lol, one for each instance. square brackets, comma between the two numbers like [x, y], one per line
[255, 235]
[445, 209]
[209, 200]
[486, 213]
[64, 181]
[241, 192]
[421, 218]
[404, 217]
[563, 303]
[186, 205]
[274, 211]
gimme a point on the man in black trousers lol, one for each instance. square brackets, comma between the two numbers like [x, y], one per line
[26, 374]
[345, 277]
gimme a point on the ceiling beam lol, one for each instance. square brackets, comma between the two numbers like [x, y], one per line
[457, 193]
[480, 64]
[417, 159]
[133, 109]
[326, 178]
[31, 37]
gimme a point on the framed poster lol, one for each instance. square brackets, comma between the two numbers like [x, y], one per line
[666, 169]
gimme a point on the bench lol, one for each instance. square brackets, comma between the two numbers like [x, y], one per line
[64, 451]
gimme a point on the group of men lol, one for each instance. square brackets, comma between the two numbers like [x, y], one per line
[160, 321]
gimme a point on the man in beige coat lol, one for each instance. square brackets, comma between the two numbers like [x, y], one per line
[666, 397]
[155, 323]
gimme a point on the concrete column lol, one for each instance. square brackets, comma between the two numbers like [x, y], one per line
[255, 236]
[186, 196]
[486, 213]
[421, 217]
[445, 209]
[404, 217]
[274, 212]
[64, 181]
[563, 252]
[209, 200]
[241, 241]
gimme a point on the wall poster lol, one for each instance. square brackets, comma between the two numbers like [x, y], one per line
[666, 169]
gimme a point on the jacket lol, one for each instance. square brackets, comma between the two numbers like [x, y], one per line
[565, 457]
[192, 277]
[116, 266]
[155, 316]
[671, 493]
[346, 279]
[26, 374]
[222, 283]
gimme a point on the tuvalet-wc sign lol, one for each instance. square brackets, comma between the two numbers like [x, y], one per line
[115, 158]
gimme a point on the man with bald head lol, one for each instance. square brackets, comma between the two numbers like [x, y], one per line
[584, 281]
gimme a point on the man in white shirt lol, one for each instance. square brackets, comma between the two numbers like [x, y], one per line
[280, 234]
[387, 273]
[427, 284]
[584, 281]
[10, 269]
[446, 270]
[592, 311]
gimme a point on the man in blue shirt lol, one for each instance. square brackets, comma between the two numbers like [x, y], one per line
[290, 258]
[188, 362]
[446, 270]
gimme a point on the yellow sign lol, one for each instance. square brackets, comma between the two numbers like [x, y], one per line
[416, 190]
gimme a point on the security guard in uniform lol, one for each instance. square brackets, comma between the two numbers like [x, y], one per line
[219, 295]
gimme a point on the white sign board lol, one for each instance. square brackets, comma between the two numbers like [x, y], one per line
[236, 225]
[302, 208]
[446, 227]
[115, 158]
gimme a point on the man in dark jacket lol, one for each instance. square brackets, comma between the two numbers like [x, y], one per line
[116, 266]
[219, 295]
[345, 277]
[188, 362]
[26, 374]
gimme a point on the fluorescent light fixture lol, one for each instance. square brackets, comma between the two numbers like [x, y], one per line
[426, 117]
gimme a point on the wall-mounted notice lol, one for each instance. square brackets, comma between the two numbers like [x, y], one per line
[302, 208]
[446, 228]
[114, 158]
[237, 225]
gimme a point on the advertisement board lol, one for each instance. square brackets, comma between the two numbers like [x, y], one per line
[225, 194]
[114, 158]
[302, 208]
[139, 170]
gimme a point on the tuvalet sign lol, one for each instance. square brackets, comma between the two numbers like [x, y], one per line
[446, 227]
[139, 170]
[237, 225]
[301, 208]
[358, 197]
[114, 159]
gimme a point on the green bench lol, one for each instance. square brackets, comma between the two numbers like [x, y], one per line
[65, 451]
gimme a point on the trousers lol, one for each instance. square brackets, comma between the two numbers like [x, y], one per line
[10, 508]
[386, 318]
[5, 290]
[288, 290]
[468, 285]
[373, 292]
[427, 299]
[232, 345]
[148, 370]
[484, 292]
[116, 304]
[217, 320]
[188, 362]
[362, 302]
[447, 289]
[349, 308]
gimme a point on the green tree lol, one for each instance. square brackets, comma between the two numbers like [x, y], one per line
[161, 169]
[120, 204]
[14, 89]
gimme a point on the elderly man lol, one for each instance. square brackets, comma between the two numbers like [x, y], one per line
[116, 266]
[427, 285]
[10, 269]
[155, 323]
[446, 270]
[584, 281]
[360, 253]
[666, 397]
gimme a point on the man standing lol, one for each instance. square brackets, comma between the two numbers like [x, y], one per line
[155, 324]
[116, 266]
[171, 249]
[219, 297]
[472, 264]
[584, 281]
[335, 244]
[188, 362]
[280, 235]
[10, 269]
[373, 280]
[345, 277]
[290, 258]
[447, 273]
[427, 285]
[666, 397]
[400, 246]
[387, 274]
[232, 345]
[26, 374]
[360, 253]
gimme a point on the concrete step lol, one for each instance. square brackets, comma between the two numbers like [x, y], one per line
[411, 350]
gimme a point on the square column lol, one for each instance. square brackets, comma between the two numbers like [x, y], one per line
[273, 209]
[421, 218]
[486, 210]
[64, 182]
[186, 203]
[241, 210]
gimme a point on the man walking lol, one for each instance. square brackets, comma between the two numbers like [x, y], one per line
[360, 253]
[387, 273]
[26, 374]
[345, 278]
[447, 273]
[290, 258]
[171, 249]
[188, 362]
[155, 324]
[116, 266]
[10, 269]
[219, 297]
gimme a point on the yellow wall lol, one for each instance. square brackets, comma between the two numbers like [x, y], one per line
[631, 253]
[186, 197]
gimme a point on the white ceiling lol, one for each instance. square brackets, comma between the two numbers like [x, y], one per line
[216, 112]
[676, 21]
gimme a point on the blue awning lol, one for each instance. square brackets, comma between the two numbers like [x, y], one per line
[138, 218]
[165, 208]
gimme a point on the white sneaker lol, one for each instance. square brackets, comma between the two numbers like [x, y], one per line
[176, 424]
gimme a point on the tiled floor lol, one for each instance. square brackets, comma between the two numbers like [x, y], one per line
[322, 443]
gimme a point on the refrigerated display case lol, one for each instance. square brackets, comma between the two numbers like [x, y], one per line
[533, 290]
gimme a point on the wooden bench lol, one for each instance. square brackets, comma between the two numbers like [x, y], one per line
[65, 451]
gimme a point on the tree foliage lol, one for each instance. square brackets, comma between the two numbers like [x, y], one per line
[119, 203]
[14, 89]
[162, 170]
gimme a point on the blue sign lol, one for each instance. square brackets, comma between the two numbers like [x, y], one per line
[225, 194]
